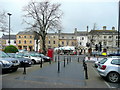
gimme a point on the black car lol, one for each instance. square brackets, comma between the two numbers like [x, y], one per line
[46, 58]
[23, 61]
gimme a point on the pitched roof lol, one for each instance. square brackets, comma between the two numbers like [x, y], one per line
[82, 33]
[103, 32]
[7, 37]
[26, 33]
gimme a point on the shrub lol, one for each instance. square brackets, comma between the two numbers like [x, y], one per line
[10, 49]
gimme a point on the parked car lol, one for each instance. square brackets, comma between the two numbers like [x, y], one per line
[35, 58]
[23, 61]
[8, 63]
[46, 58]
[110, 68]
[97, 62]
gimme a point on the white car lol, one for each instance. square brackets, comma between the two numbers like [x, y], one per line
[35, 58]
[110, 68]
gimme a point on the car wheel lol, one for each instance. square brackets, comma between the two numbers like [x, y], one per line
[15, 69]
[113, 77]
[33, 62]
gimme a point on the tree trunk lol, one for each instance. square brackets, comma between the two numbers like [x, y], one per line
[43, 45]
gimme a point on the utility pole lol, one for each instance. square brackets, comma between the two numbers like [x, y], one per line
[9, 14]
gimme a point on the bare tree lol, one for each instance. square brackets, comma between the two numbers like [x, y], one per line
[43, 16]
[3, 21]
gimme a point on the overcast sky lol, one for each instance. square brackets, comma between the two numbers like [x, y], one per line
[77, 13]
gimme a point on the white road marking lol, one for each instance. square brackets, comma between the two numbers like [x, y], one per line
[104, 81]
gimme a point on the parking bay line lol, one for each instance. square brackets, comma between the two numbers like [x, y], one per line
[104, 81]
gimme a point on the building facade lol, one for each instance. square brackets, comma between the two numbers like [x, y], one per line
[25, 40]
[107, 38]
[5, 40]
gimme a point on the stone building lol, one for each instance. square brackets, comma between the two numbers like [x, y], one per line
[107, 38]
[27, 40]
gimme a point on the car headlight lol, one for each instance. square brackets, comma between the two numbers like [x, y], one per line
[5, 62]
[25, 61]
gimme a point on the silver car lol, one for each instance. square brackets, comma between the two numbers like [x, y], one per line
[110, 68]
[8, 63]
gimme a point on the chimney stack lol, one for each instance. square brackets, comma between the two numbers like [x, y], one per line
[104, 27]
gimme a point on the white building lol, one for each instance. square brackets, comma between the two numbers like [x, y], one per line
[6, 40]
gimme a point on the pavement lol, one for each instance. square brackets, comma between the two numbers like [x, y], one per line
[70, 76]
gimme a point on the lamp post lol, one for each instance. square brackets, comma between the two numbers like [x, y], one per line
[9, 14]
[59, 51]
[118, 25]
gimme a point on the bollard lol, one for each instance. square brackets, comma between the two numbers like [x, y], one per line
[64, 61]
[24, 72]
[67, 60]
[41, 63]
[78, 59]
[50, 61]
[55, 58]
[86, 74]
[58, 65]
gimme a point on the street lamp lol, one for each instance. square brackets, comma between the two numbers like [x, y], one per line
[59, 51]
[118, 26]
[9, 14]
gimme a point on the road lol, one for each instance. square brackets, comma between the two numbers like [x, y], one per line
[70, 76]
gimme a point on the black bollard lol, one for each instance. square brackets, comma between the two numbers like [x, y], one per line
[58, 65]
[67, 60]
[41, 63]
[55, 58]
[86, 74]
[78, 59]
[64, 61]
[50, 61]
[24, 72]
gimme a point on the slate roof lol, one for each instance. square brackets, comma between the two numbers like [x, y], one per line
[82, 33]
[7, 37]
[26, 33]
[104, 32]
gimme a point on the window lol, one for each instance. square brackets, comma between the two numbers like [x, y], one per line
[116, 37]
[116, 61]
[30, 36]
[19, 36]
[67, 43]
[62, 43]
[24, 36]
[80, 43]
[19, 42]
[25, 42]
[14, 41]
[82, 38]
[105, 37]
[30, 41]
[103, 61]
[105, 43]
[53, 42]
[110, 36]
[48, 42]
[72, 43]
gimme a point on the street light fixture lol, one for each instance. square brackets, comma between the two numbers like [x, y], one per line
[9, 14]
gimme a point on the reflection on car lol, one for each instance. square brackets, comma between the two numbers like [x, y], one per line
[110, 68]
[23, 61]
[8, 63]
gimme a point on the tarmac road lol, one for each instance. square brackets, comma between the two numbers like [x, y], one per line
[70, 76]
